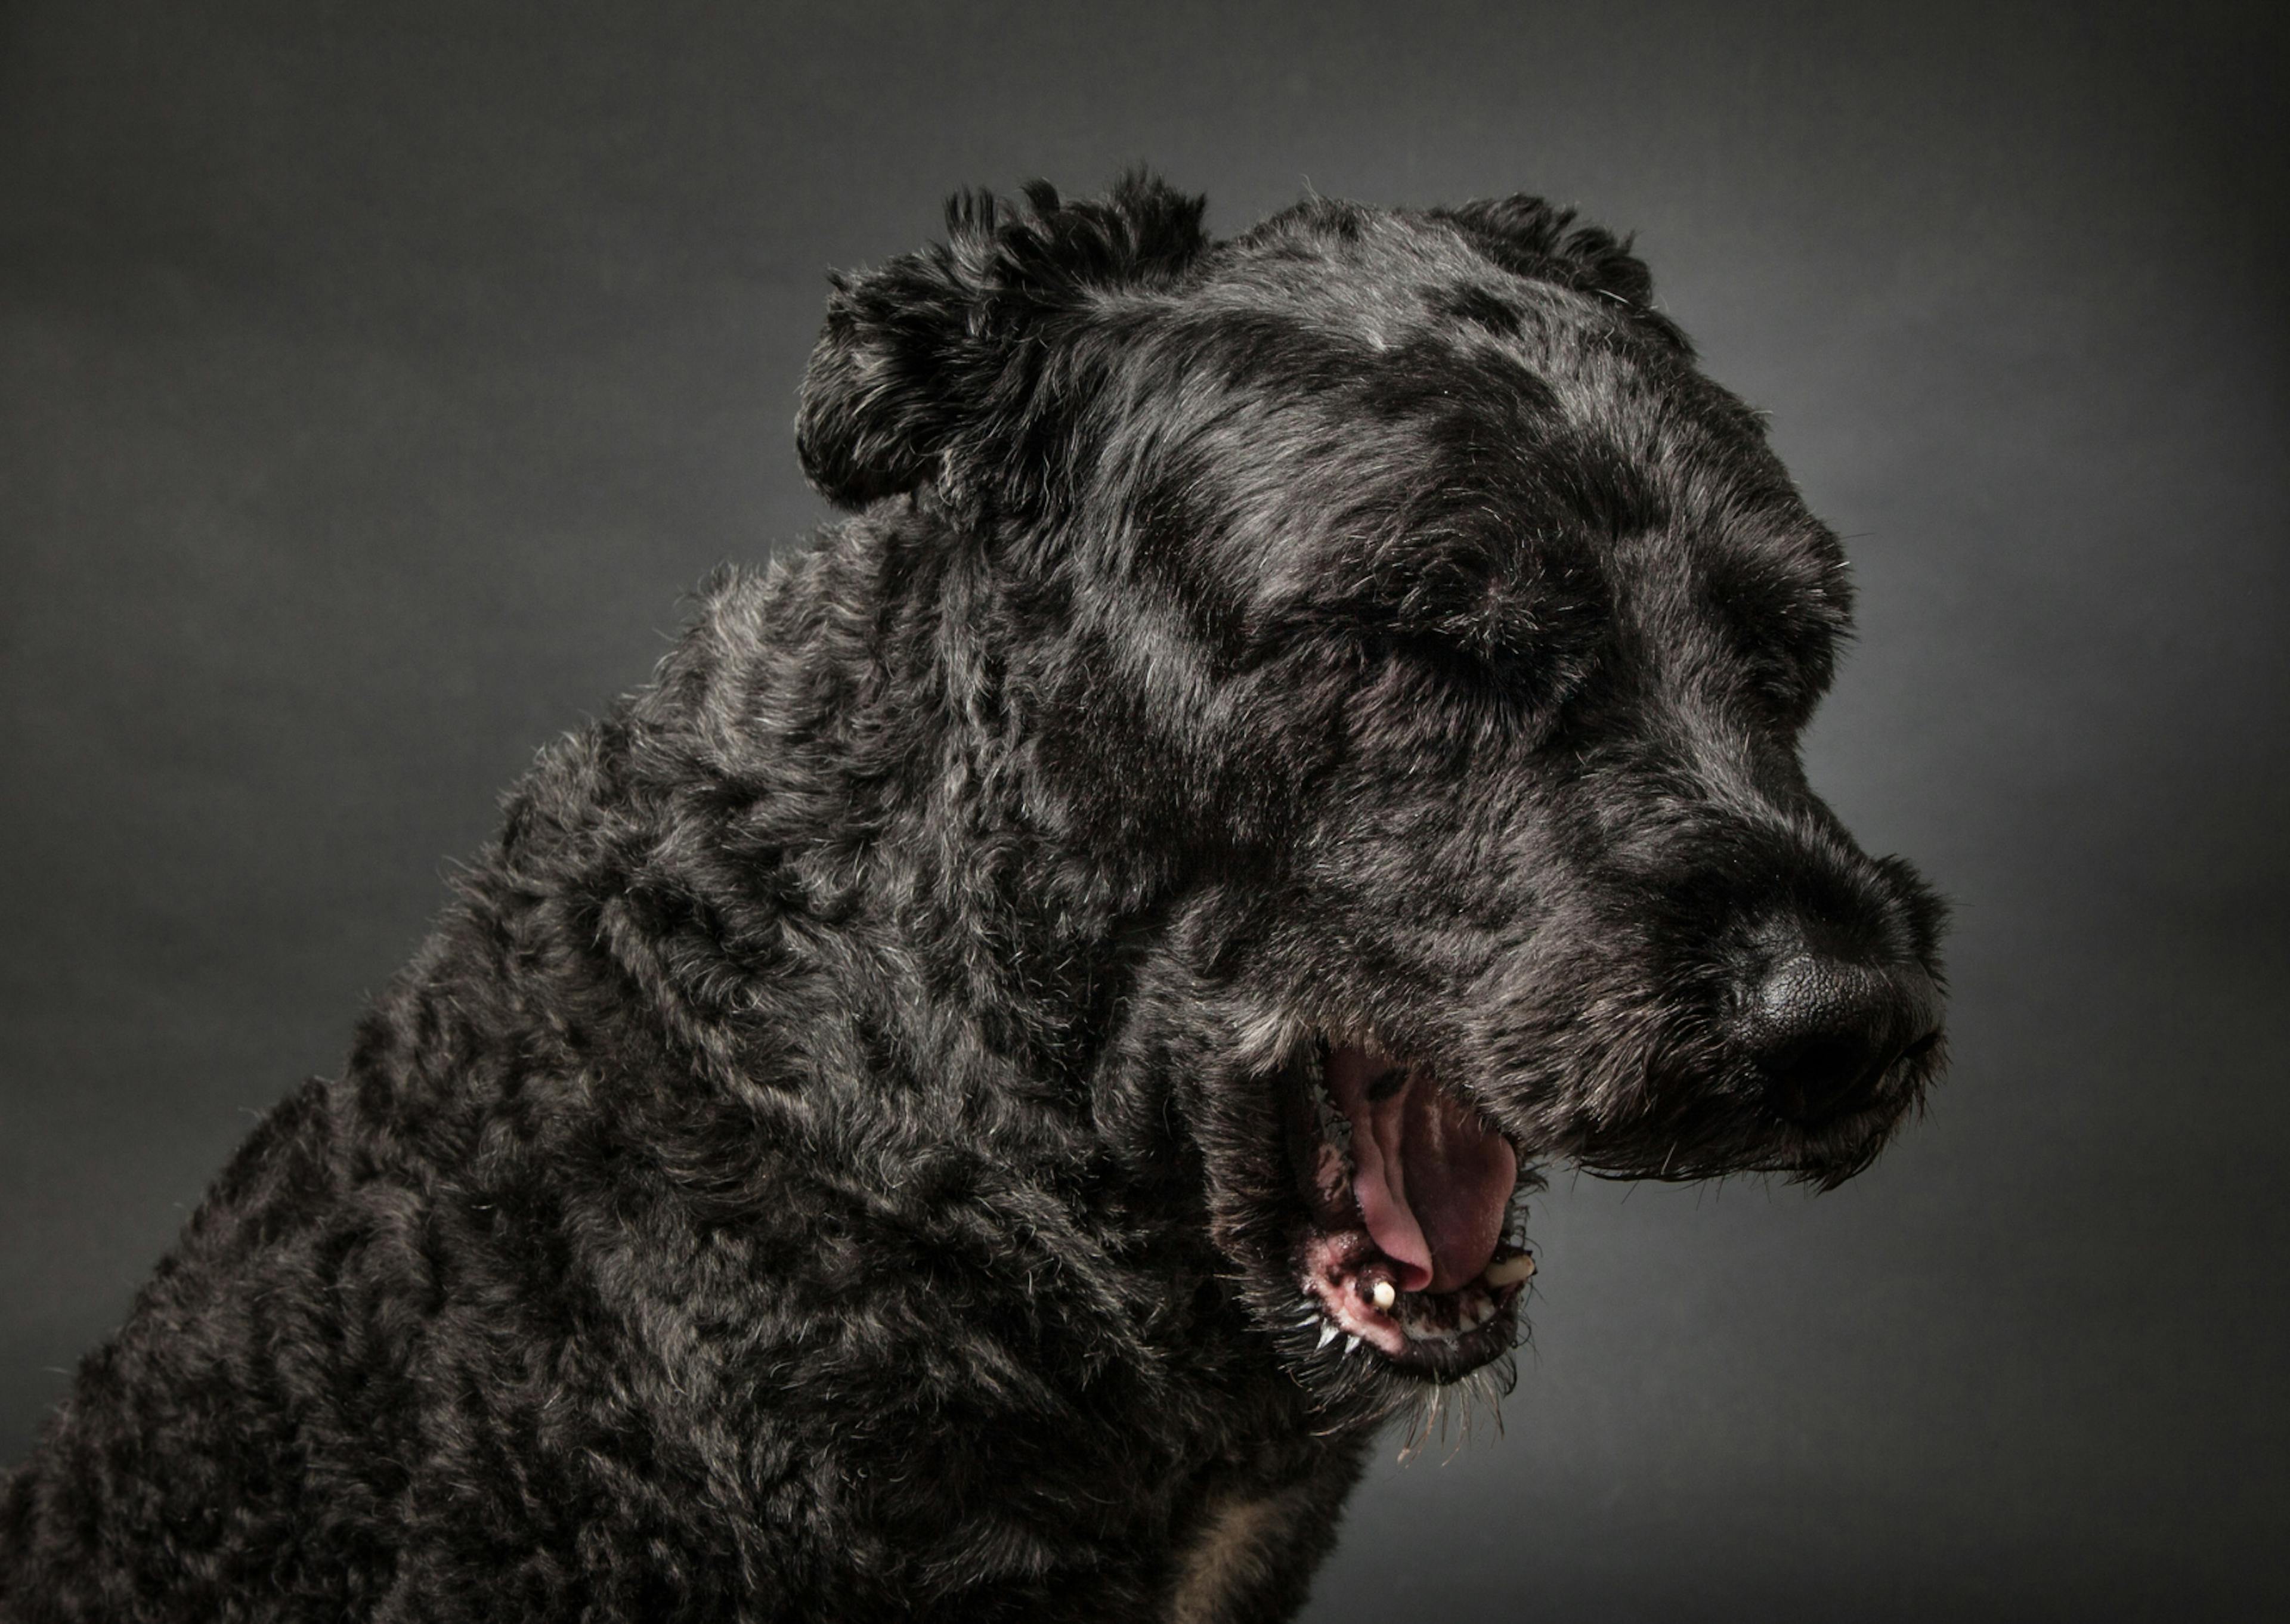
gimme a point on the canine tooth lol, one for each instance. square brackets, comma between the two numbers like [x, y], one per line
[1327, 1335]
[1385, 1295]
[1506, 1271]
[1350, 1343]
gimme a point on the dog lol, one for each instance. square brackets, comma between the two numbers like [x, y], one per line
[979, 1093]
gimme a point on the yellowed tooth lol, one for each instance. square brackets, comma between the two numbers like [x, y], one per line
[1384, 1294]
[1506, 1271]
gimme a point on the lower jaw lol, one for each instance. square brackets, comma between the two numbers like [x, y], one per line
[1438, 1332]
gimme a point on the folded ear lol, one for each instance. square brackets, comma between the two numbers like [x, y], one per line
[1531, 237]
[929, 364]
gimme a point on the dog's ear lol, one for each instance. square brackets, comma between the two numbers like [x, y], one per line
[1532, 238]
[931, 363]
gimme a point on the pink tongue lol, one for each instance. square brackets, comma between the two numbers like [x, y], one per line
[1433, 1180]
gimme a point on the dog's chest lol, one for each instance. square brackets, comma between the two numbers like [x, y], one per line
[1230, 1555]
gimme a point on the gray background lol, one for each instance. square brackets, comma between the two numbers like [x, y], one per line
[373, 378]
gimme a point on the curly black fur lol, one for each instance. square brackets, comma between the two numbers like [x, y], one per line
[828, 1161]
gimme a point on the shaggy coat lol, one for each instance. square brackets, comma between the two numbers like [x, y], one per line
[978, 1092]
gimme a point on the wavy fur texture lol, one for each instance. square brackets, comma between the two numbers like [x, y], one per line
[826, 1163]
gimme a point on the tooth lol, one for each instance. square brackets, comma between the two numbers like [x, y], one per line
[1327, 1335]
[1385, 1295]
[1507, 1271]
[1351, 1343]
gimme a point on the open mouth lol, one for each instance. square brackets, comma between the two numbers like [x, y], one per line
[1408, 1191]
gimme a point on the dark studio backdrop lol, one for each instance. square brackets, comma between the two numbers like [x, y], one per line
[374, 380]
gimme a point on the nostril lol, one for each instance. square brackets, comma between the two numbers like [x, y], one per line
[1825, 1031]
[1824, 1076]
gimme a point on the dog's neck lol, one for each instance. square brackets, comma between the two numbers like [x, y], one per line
[858, 716]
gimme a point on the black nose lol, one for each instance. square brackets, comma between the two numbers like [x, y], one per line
[1825, 1031]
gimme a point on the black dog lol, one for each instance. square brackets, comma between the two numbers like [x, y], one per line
[978, 1094]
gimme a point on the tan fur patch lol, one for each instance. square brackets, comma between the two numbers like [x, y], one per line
[1228, 1557]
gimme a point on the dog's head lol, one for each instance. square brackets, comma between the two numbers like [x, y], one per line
[1393, 612]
